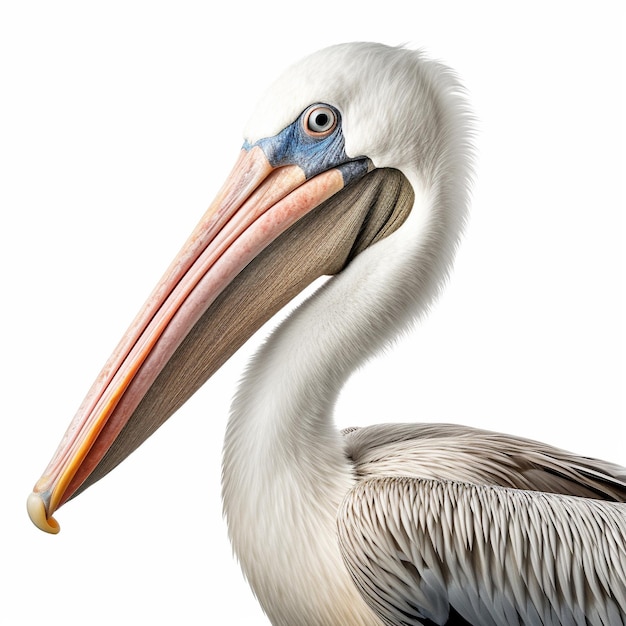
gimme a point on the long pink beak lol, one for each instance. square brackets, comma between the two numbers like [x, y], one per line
[256, 204]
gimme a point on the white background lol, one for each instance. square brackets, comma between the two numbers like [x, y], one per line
[118, 124]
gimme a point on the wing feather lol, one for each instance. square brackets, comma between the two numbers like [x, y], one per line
[422, 551]
[451, 523]
[461, 453]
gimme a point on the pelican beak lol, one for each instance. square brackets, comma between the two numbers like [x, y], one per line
[252, 251]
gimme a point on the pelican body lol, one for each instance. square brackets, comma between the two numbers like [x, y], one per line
[356, 165]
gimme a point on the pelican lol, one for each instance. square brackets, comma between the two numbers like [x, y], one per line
[356, 165]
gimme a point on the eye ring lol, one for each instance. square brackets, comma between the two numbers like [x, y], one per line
[319, 121]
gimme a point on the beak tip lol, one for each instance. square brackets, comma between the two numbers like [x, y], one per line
[37, 513]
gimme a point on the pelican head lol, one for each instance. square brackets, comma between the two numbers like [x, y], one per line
[354, 146]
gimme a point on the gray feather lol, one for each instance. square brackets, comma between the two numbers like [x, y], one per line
[450, 524]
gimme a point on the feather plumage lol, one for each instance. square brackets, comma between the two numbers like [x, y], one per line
[423, 550]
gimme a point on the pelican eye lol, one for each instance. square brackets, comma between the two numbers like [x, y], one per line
[320, 120]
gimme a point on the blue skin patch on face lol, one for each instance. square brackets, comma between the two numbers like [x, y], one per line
[313, 154]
